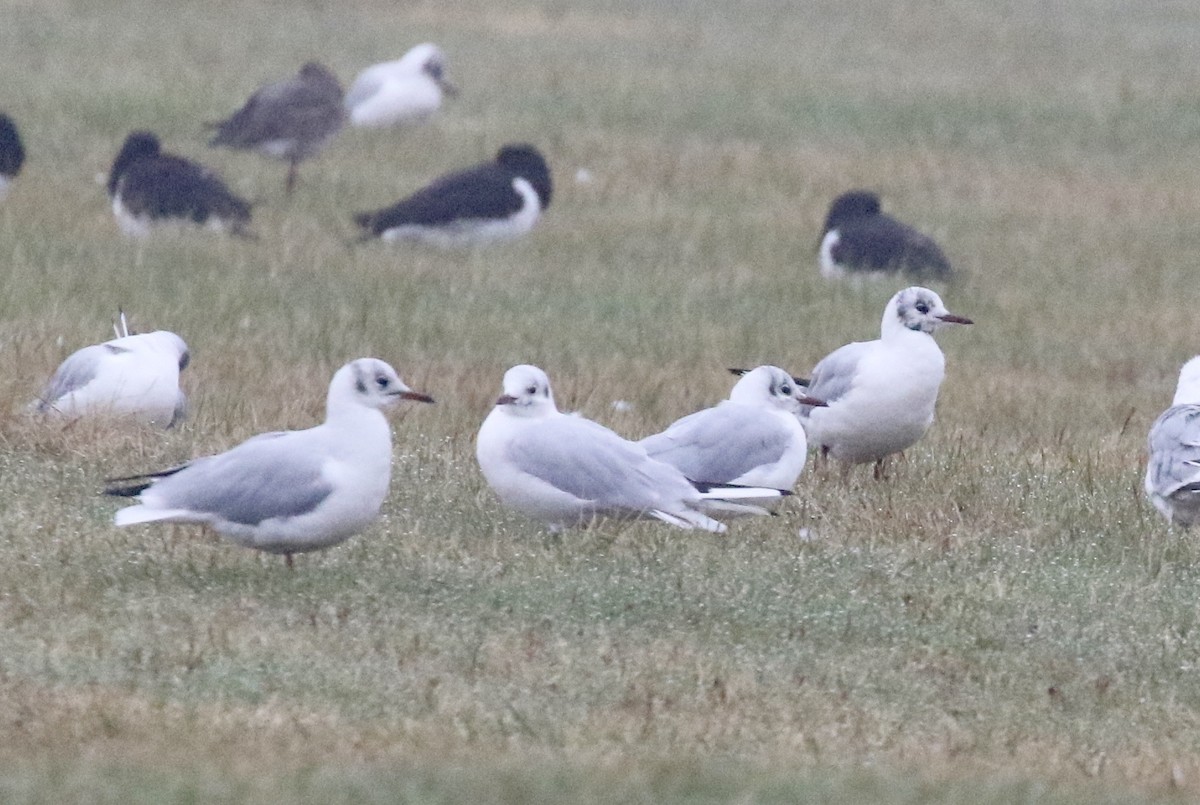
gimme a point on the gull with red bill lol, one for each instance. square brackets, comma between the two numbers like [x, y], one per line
[754, 438]
[880, 395]
[567, 471]
[289, 491]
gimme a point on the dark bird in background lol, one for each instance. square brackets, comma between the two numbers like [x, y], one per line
[860, 239]
[497, 200]
[148, 187]
[292, 119]
[12, 153]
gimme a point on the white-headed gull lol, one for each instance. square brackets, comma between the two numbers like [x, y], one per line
[1173, 471]
[497, 200]
[860, 239]
[567, 470]
[148, 187]
[12, 153]
[753, 439]
[131, 376]
[880, 395]
[291, 119]
[289, 491]
[405, 91]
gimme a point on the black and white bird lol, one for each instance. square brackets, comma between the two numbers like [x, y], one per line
[859, 239]
[880, 395]
[1173, 469]
[289, 491]
[149, 188]
[567, 471]
[12, 154]
[403, 92]
[292, 119]
[133, 377]
[497, 200]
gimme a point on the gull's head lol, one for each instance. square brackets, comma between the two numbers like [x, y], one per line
[1187, 392]
[772, 386]
[138, 145]
[371, 383]
[429, 60]
[526, 392]
[918, 309]
[164, 342]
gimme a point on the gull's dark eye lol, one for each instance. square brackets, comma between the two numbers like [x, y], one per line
[922, 307]
[381, 381]
[786, 391]
[531, 390]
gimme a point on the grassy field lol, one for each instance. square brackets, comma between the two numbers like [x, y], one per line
[1004, 620]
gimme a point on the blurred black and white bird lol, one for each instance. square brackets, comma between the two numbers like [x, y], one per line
[498, 200]
[403, 92]
[12, 154]
[859, 239]
[149, 188]
[291, 119]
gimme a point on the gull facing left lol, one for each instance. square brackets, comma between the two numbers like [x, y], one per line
[1173, 471]
[754, 438]
[566, 470]
[288, 491]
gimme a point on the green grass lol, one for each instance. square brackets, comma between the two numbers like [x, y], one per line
[1004, 620]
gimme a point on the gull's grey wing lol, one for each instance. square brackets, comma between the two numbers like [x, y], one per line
[75, 372]
[834, 375]
[367, 84]
[719, 444]
[271, 475]
[1174, 446]
[591, 462]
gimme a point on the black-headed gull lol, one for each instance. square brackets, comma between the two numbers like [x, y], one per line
[291, 119]
[860, 239]
[290, 491]
[881, 394]
[12, 154]
[148, 187]
[497, 200]
[406, 91]
[754, 438]
[1173, 470]
[131, 376]
[566, 470]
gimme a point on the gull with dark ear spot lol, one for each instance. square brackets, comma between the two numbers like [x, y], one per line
[290, 491]
[12, 154]
[498, 200]
[880, 395]
[567, 470]
[752, 439]
[132, 377]
[149, 188]
[402, 92]
[292, 119]
[859, 239]
[1173, 469]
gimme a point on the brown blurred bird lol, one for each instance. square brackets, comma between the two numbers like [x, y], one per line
[292, 119]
